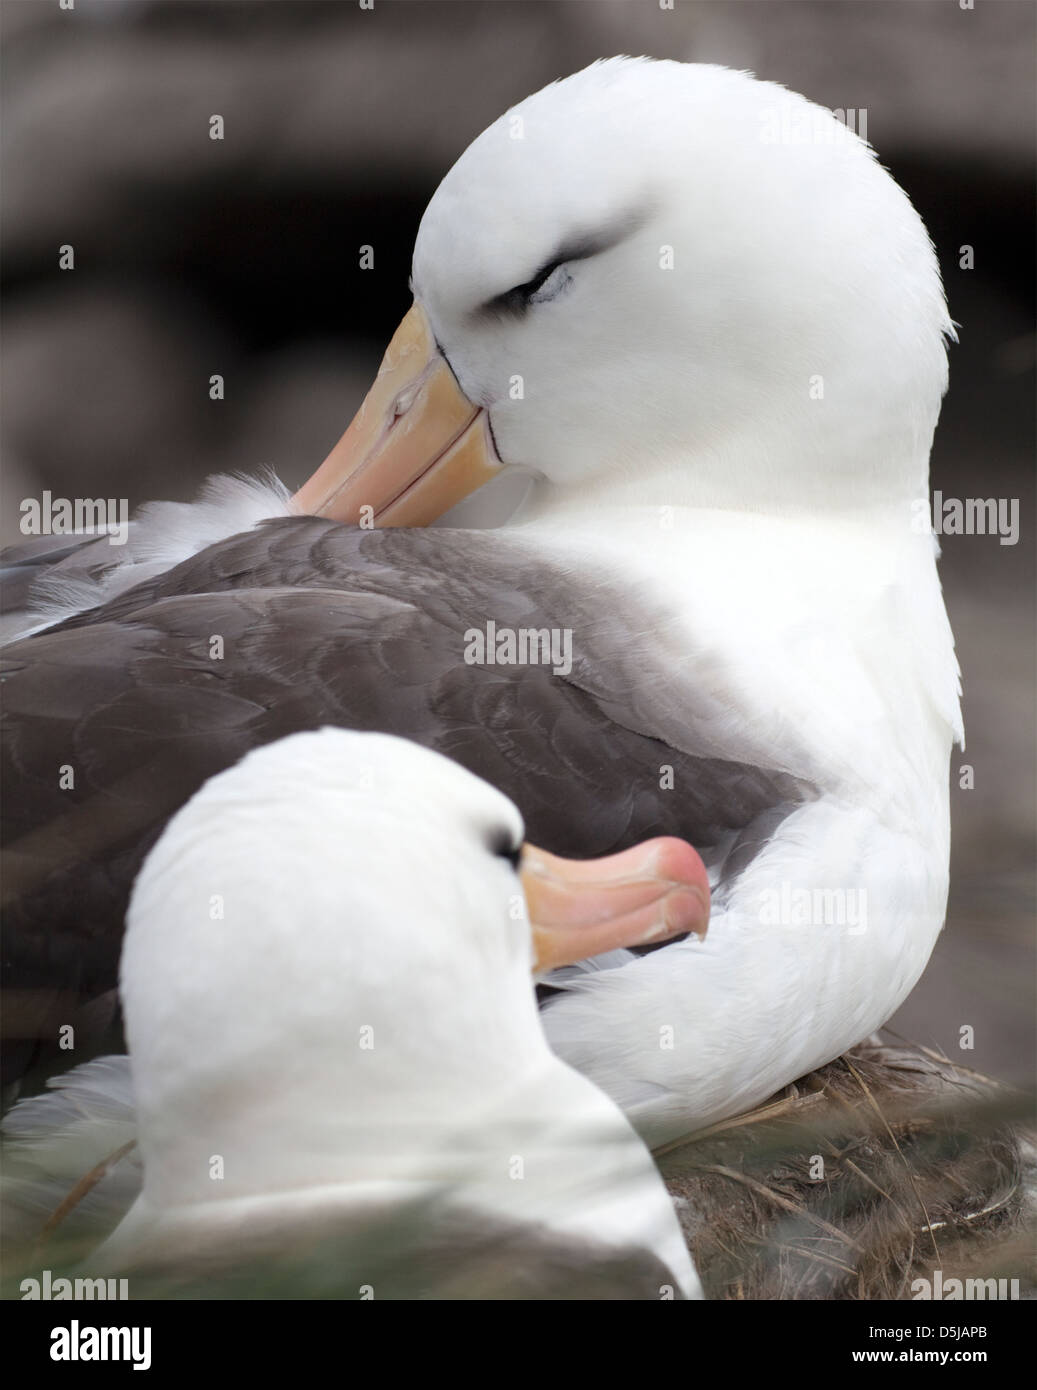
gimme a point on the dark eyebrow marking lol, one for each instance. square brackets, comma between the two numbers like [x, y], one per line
[577, 248]
[503, 848]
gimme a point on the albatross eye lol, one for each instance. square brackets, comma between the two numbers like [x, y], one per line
[554, 278]
[504, 848]
[548, 283]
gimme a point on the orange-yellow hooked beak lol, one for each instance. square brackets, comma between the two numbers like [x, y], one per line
[416, 446]
[577, 909]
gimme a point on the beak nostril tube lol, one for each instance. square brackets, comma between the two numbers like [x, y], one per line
[405, 400]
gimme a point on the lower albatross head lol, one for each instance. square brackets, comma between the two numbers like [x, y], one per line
[327, 989]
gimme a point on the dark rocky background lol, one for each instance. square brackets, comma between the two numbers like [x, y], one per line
[240, 257]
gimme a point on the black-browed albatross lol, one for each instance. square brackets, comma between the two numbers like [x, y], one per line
[709, 324]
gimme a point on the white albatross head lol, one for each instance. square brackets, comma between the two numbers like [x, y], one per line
[326, 982]
[658, 282]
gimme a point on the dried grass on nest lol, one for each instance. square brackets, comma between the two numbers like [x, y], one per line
[925, 1167]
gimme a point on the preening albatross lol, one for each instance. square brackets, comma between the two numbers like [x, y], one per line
[709, 325]
[326, 981]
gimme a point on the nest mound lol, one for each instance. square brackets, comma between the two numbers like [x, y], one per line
[862, 1178]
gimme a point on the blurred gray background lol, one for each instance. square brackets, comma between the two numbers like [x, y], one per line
[239, 257]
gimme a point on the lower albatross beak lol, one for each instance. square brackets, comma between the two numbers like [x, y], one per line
[579, 908]
[416, 446]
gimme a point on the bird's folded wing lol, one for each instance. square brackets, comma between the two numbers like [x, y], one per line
[115, 717]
